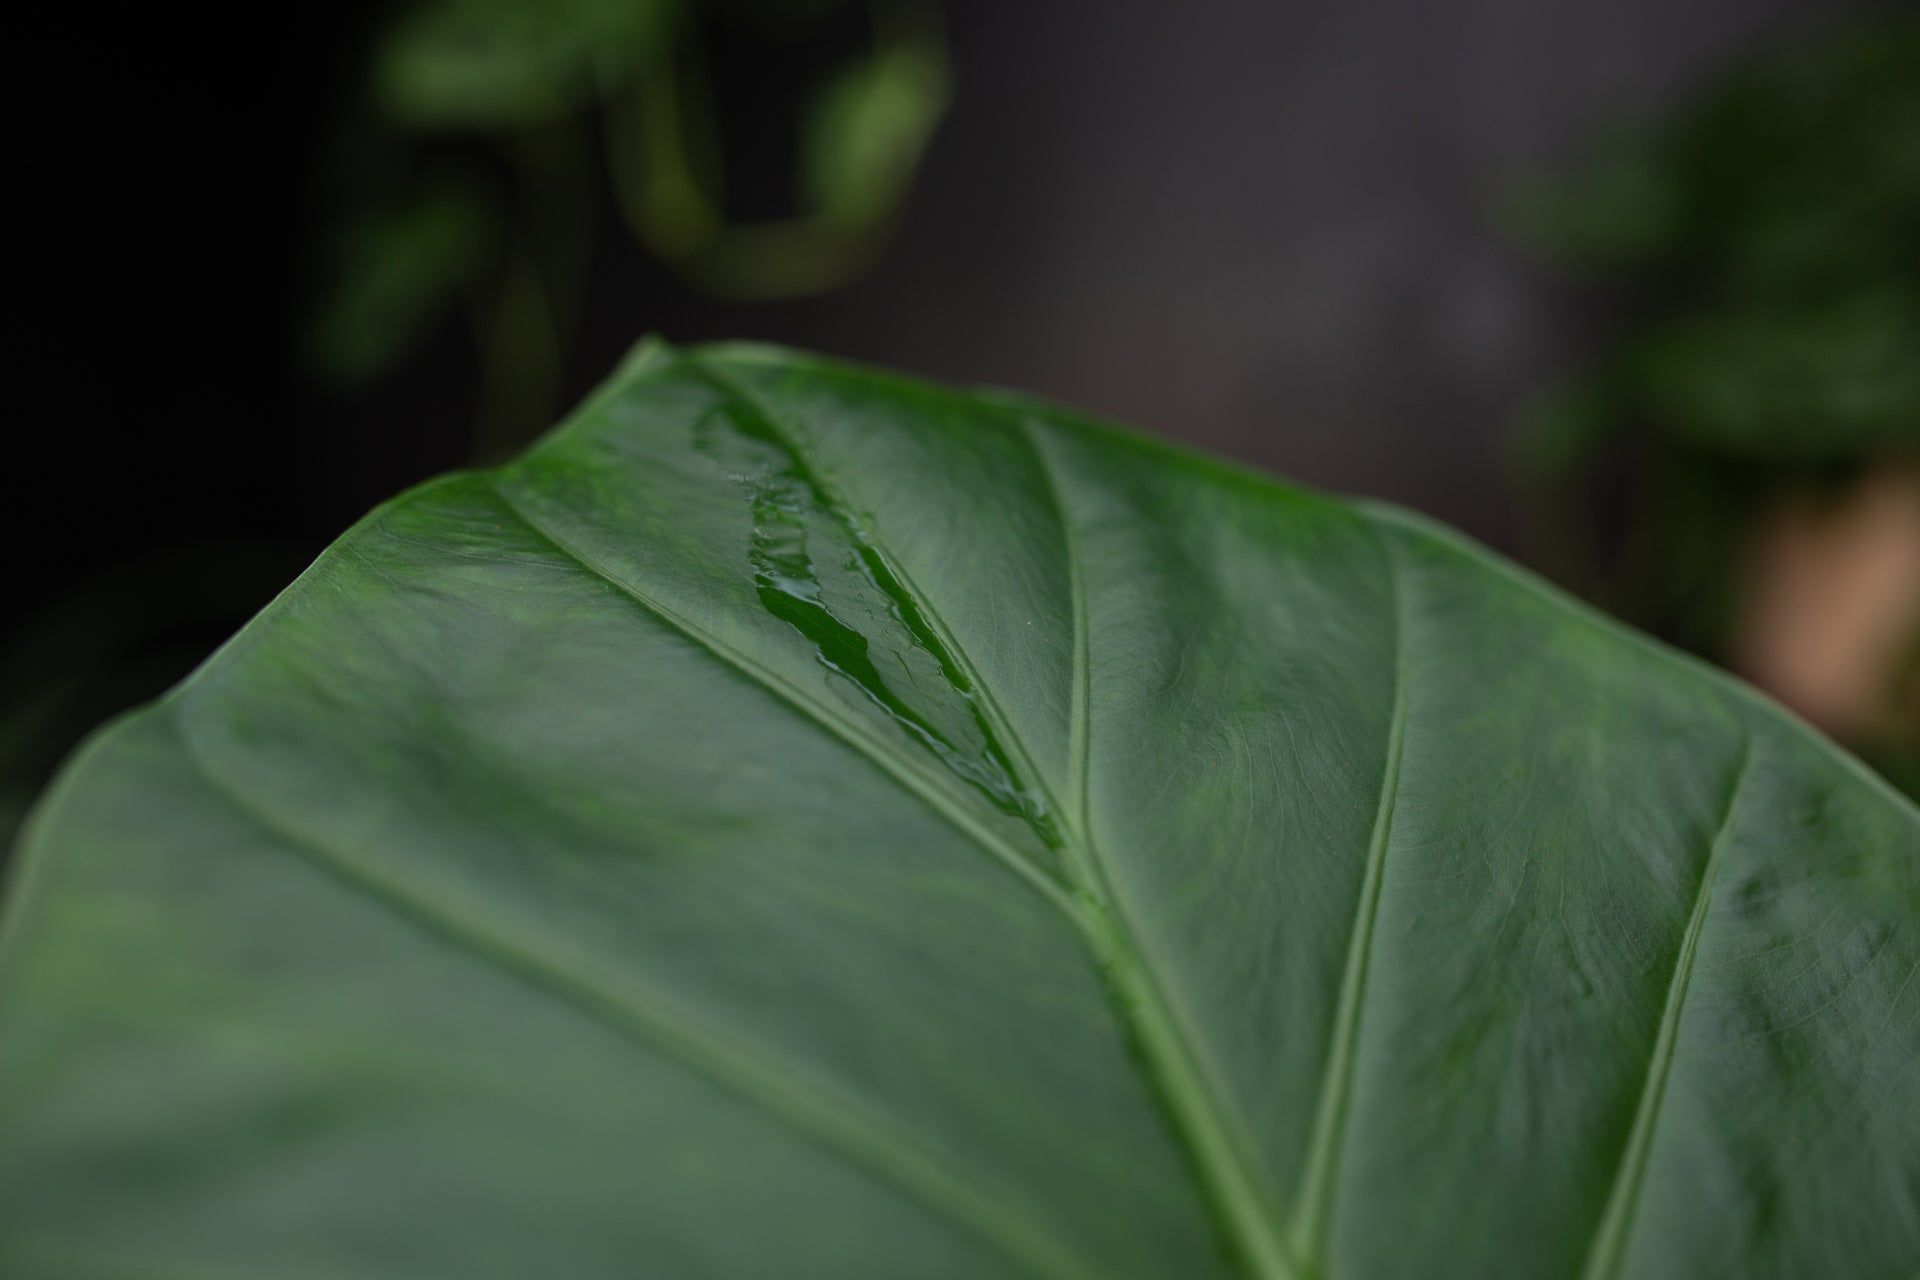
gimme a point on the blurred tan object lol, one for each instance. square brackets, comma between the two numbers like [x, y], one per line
[1833, 603]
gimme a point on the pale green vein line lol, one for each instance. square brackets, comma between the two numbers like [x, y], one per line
[1195, 1101]
[1607, 1250]
[1139, 1001]
[728, 385]
[629, 1010]
[1079, 728]
[892, 763]
[1321, 1166]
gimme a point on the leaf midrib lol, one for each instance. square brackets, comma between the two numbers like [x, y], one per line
[1138, 997]
[1193, 1099]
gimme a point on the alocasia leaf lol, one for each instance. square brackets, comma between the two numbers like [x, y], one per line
[796, 822]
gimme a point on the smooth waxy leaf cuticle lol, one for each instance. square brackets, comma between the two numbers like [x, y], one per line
[797, 821]
[1140, 1003]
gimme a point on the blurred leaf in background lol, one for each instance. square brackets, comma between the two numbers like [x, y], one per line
[498, 64]
[395, 267]
[1755, 423]
[860, 137]
[465, 174]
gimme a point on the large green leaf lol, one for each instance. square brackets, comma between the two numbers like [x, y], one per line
[800, 823]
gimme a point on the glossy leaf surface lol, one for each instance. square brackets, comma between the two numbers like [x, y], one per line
[797, 822]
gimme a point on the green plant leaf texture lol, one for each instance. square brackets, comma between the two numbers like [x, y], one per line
[799, 822]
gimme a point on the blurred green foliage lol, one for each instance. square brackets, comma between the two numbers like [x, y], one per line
[496, 64]
[1762, 247]
[1772, 235]
[565, 97]
[392, 267]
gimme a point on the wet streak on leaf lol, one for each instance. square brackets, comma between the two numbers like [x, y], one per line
[792, 516]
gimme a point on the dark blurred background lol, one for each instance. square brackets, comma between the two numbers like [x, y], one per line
[1628, 289]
